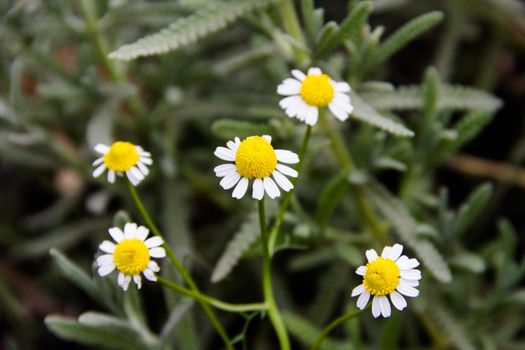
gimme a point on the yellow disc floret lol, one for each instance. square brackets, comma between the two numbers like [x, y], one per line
[317, 90]
[255, 158]
[121, 156]
[131, 256]
[381, 277]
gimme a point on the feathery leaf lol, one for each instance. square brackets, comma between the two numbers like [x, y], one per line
[214, 17]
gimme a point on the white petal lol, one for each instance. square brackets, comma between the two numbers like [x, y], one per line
[149, 275]
[361, 270]
[130, 230]
[102, 149]
[138, 281]
[134, 181]
[225, 154]
[314, 71]
[302, 110]
[107, 247]
[298, 74]
[230, 180]
[154, 242]
[405, 263]
[286, 156]
[116, 234]
[341, 98]
[371, 255]
[120, 279]
[384, 305]
[407, 290]
[286, 170]
[258, 189]
[397, 299]
[143, 169]
[141, 233]
[342, 87]
[271, 188]
[411, 283]
[98, 161]
[232, 145]
[290, 101]
[386, 251]
[289, 87]
[105, 270]
[282, 181]
[338, 112]
[157, 252]
[146, 160]
[105, 259]
[267, 138]
[125, 283]
[241, 188]
[99, 170]
[136, 173]
[363, 300]
[376, 310]
[411, 274]
[153, 266]
[396, 251]
[312, 113]
[111, 176]
[343, 105]
[224, 169]
[360, 289]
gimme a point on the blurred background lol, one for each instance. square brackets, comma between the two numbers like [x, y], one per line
[60, 95]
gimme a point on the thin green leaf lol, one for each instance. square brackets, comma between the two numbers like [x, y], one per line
[75, 274]
[332, 194]
[403, 36]
[210, 19]
[364, 112]
[470, 210]
[351, 27]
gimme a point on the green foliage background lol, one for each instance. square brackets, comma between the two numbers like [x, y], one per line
[422, 74]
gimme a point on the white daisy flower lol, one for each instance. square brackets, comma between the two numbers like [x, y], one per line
[131, 255]
[391, 274]
[255, 159]
[307, 93]
[122, 157]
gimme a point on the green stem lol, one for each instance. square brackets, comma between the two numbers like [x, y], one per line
[219, 304]
[273, 310]
[289, 194]
[180, 267]
[89, 13]
[345, 159]
[337, 322]
[291, 25]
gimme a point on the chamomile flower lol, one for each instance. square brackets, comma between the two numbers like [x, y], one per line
[255, 159]
[131, 255]
[122, 157]
[307, 93]
[389, 275]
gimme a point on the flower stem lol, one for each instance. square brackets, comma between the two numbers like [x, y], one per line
[291, 25]
[287, 197]
[348, 316]
[273, 310]
[219, 304]
[180, 267]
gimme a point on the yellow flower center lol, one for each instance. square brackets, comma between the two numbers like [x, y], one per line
[121, 156]
[317, 90]
[381, 277]
[255, 158]
[131, 256]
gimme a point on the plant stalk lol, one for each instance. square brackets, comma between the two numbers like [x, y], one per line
[273, 310]
[180, 267]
